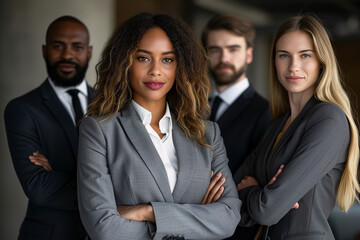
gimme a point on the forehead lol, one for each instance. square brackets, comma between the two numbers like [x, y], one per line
[67, 31]
[224, 38]
[295, 41]
[155, 39]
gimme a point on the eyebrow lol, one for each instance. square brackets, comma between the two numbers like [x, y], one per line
[305, 50]
[148, 52]
[228, 46]
[61, 42]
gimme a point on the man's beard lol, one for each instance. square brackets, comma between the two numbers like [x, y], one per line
[226, 79]
[65, 81]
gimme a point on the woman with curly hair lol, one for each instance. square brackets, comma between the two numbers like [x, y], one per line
[311, 146]
[146, 151]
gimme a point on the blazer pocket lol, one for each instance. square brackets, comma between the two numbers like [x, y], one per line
[306, 236]
[36, 228]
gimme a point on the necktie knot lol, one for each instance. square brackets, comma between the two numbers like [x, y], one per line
[215, 107]
[73, 92]
[76, 105]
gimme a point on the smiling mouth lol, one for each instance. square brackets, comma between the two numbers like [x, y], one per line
[66, 68]
[154, 85]
[294, 79]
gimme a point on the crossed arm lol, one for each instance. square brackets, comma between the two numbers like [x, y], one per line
[248, 181]
[145, 212]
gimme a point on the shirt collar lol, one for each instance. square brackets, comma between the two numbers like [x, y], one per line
[165, 123]
[233, 92]
[82, 87]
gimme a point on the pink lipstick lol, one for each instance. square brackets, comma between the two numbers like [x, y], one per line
[154, 85]
[294, 79]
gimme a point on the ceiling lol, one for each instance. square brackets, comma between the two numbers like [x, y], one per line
[341, 17]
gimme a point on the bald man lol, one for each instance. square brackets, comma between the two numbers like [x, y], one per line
[41, 129]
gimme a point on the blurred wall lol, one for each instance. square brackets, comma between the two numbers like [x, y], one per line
[23, 25]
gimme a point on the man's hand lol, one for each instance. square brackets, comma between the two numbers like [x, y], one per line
[40, 160]
[215, 189]
[140, 213]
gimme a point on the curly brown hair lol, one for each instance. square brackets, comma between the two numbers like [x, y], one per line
[188, 98]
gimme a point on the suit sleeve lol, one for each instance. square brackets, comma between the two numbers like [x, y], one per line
[324, 141]
[97, 203]
[54, 189]
[211, 221]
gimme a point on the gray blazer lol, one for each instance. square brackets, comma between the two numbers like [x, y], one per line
[119, 165]
[314, 151]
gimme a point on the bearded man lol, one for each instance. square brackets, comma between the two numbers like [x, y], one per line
[242, 114]
[42, 134]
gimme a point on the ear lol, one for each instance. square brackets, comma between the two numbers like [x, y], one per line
[44, 51]
[249, 55]
[89, 52]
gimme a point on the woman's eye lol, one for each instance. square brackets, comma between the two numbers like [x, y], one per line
[168, 60]
[283, 56]
[305, 56]
[143, 59]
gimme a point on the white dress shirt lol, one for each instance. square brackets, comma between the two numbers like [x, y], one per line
[66, 99]
[229, 96]
[165, 145]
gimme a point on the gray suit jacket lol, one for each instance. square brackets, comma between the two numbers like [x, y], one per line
[119, 165]
[314, 151]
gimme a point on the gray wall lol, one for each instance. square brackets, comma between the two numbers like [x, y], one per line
[23, 24]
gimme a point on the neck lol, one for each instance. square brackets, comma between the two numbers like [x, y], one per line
[297, 102]
[221, 88]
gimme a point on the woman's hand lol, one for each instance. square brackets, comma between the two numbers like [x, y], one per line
[215, 189]
[273, 180]
[140, 213]
[40, 160]
[247, 182]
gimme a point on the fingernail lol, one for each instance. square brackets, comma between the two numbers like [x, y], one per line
[218, 174]
[223, 179]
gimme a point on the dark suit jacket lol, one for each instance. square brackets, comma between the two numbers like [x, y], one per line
[242, 125]
[314, 151]
[37, 121]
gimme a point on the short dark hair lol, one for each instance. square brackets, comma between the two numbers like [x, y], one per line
[66, 18]
[237, 25]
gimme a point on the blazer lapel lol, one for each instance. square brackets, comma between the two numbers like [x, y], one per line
[235, 108]
[185, 151]
[141, 141]
[57, 109]
[90, 94]
[294, 125]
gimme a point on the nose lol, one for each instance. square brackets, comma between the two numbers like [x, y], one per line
[225, 56]
[155, 69]
[294, 64]
[68, 53]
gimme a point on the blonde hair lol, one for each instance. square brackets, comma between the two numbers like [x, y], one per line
[328, 89]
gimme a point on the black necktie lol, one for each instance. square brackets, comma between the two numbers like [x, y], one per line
[76, 105]
[215, 107]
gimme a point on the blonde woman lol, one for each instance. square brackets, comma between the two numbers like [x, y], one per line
[308, 157]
